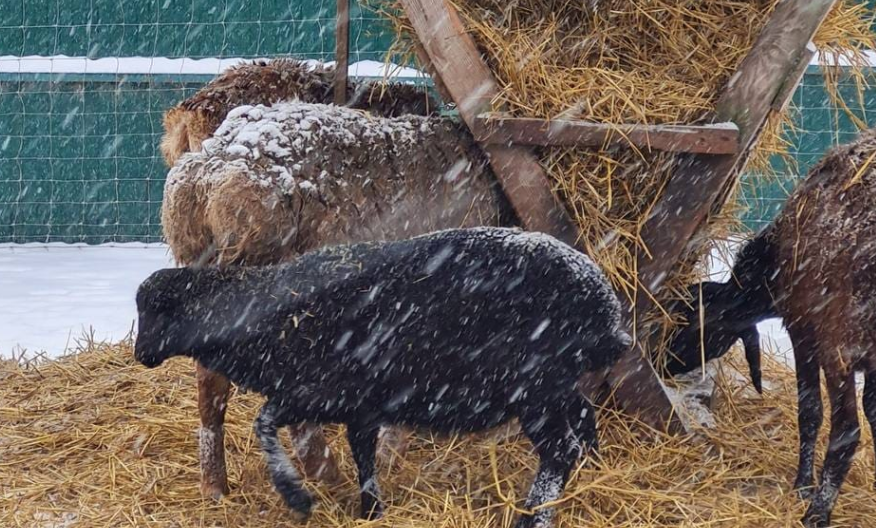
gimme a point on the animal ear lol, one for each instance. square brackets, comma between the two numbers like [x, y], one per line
[163, 288]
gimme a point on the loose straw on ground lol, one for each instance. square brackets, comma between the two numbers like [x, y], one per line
[97, 440]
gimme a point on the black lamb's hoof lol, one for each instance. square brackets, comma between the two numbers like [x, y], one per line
[805, 488]
[533, 521]
[371, 511]
[295, 497]
[816, 518]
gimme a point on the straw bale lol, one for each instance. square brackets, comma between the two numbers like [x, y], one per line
[94, 439]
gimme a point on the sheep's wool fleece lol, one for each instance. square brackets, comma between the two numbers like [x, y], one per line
[293, 176]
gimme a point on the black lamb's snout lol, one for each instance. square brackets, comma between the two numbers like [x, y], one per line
[151, 346]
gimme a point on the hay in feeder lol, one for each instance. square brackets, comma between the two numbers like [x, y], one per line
[97, 440]
[634, 61]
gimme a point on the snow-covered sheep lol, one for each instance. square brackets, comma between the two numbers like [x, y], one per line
[455, 331]
[814, 267]
[274, 182]
[195, 119]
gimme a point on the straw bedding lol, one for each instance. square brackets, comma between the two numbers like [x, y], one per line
[97, 440]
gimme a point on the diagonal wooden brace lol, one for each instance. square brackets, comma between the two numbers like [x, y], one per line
[460, 74]
[771, 69]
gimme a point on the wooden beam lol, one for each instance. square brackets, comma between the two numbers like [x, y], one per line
[705, 139]
[342, 51]
[454, 58]
[747, 100]
[460, 73]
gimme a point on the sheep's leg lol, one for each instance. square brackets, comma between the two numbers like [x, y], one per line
[870, 403]
[313, 451]
[393, 442]
[283, 474]
[809, 411]
[213, 391]
[363, 444]
[751, 342]
[845, 433]
[558, 450]
[582, 419]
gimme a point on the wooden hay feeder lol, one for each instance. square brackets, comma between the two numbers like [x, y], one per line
[713, 155]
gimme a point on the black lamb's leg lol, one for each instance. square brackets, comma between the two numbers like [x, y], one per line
[582, 419]
[558, 449]
[809, 409]
[285, 477]
[845, 433]
[751, 342]
[363, 444]
[870, 404]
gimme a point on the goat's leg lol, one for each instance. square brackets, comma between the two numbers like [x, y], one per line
[285, 477]
[558, 450]
[213, 391]
[845, 433]
[870, 403]
[313, 451]
[363, 444]
[809, 410]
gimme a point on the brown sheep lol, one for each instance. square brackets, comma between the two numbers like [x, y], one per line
[814, 266]
[192, 121]
[274, 182]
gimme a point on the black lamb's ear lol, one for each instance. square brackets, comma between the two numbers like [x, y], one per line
[163, 289]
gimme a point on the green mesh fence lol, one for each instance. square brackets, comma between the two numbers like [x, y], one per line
[79, 158]
[819, 125]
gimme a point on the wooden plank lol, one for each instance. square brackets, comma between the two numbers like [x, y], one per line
[747, 100]
[452, 58]
[704, 139]
[789, 87]
[342, 51]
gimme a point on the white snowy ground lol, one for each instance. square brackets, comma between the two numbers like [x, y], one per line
[52, 294]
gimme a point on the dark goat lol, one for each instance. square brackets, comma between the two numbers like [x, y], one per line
[730, 312]
[456, 331]
[815, 268]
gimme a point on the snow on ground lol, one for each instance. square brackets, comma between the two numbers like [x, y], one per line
[51, 294]
[161, 65]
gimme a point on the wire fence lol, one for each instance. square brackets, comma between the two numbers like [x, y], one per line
[84, 85]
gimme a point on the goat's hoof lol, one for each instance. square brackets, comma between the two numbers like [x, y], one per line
[214, 490]
[816, 518]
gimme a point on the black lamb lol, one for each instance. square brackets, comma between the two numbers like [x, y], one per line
[455, 331]
[730, 311]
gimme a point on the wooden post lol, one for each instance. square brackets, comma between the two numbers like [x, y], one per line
[750, 94]
[460, 73]
[342, 51]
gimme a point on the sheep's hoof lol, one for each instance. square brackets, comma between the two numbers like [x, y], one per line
[805, 490]
[816, 518]
[531, 521]
[214, 490]
[372, 511]
[295, 497]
